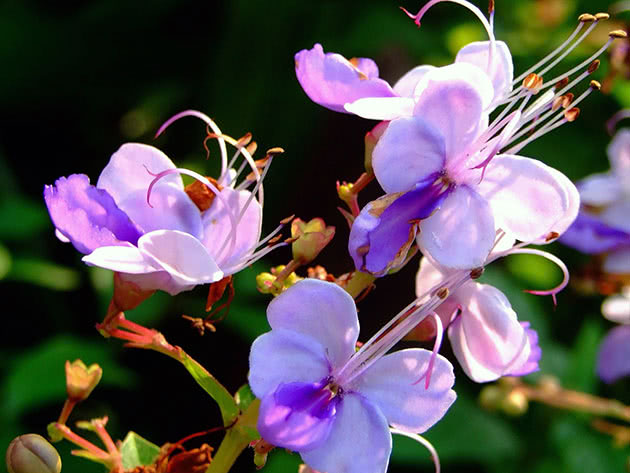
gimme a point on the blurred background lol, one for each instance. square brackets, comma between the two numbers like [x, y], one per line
[79, 78]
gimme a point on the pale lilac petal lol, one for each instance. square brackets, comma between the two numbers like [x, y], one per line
[170, 209]
[181, 255]
[321, 310]
[366, 65]
[381, 108]
[332, 81]
[427, 279]
[384, 231]
[217, 227]
[461, 232]
[618, 261]
[572, 207]
[613, 361]
[526, 198]
[394, 385]
[452, 100]
[406, 85]
[409, 152]
[87, 216]
[158, 280]
[284, 356]
[502, 70]
[619, 155]
[123, 259]
[132, 168]
[535, 354]
[616, 308]
[61, 236]
[600, 189]
[617, 215]
[589, 234]
[359, 441]
[297, 416]
[487, 338]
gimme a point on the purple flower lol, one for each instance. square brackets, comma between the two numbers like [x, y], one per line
[158, 239]
[315, 401]
[603, 225]
[613, 361]
[446, 157]
[353, 86]
[486, 336]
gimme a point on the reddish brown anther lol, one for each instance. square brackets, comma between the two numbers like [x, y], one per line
[442, 293]
[476, 272]
[593, 66]
[551, 236]
[572, 114]
[533, 82]
[200, 194]
[562, 83]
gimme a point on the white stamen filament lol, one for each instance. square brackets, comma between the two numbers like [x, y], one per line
[422, 441]
[209, 122]
[550, 55]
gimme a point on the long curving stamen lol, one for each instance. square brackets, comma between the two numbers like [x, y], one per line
[439, 332]
[422, 441]
[208, 121]
[487, 26]
[554, 259]
[253, 258]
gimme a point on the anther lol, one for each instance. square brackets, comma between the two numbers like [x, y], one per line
[601, 16]
[586, 18]
[572, 114]
[595, 85]
[286, 220]
[551, 236]
[593, 66]
[490, 6]
[274, 240]
[562, 83]
[476, 272]
[442, 293]
[244, 140]
[568, 99]
[274, 151]
[618, 34]
[533, 82]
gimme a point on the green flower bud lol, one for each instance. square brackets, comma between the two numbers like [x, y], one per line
[81, 380]
[515, 404]
[490, 397]
[31, 453]
[264, 282]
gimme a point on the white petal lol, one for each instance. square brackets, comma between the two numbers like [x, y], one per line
[381, 108]
[124, 259]
[321, 310]
[359, 441]
[406, 85]
[502, 69]
[394, 384]
[132, 168]
[461, 233]
[284, 356]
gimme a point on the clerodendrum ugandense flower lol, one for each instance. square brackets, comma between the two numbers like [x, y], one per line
[322, 401]
[485, 334]
[140, 220]
[451, 174]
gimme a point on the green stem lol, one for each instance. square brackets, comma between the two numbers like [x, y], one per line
[231, 447]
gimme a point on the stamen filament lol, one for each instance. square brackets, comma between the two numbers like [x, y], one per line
[209, 122]
[422, 441]
[439, 331]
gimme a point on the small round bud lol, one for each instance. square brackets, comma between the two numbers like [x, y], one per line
[515, 404]
[345, 192]
[491, 397]
[549, 384]
[264, 282]
[32, 453]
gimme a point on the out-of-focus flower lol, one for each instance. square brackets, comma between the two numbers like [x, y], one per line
[613, 360]
[141, 222]
[486, 336]
[313, 403]
[603, 224]
[32, 453]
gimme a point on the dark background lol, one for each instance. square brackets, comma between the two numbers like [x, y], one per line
[78, 79]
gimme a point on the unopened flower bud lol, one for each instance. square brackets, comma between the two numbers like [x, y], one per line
[32, 453]
[312, 237]
[515, 404]
[345, 191]
[264, 282]
[81, 380]
[490, 397]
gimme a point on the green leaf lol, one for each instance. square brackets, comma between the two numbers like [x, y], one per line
[20, 217]
[244, 397]
[227, 404]
[45, 274]
[581, 371]
[37, 376]
[137, 451]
